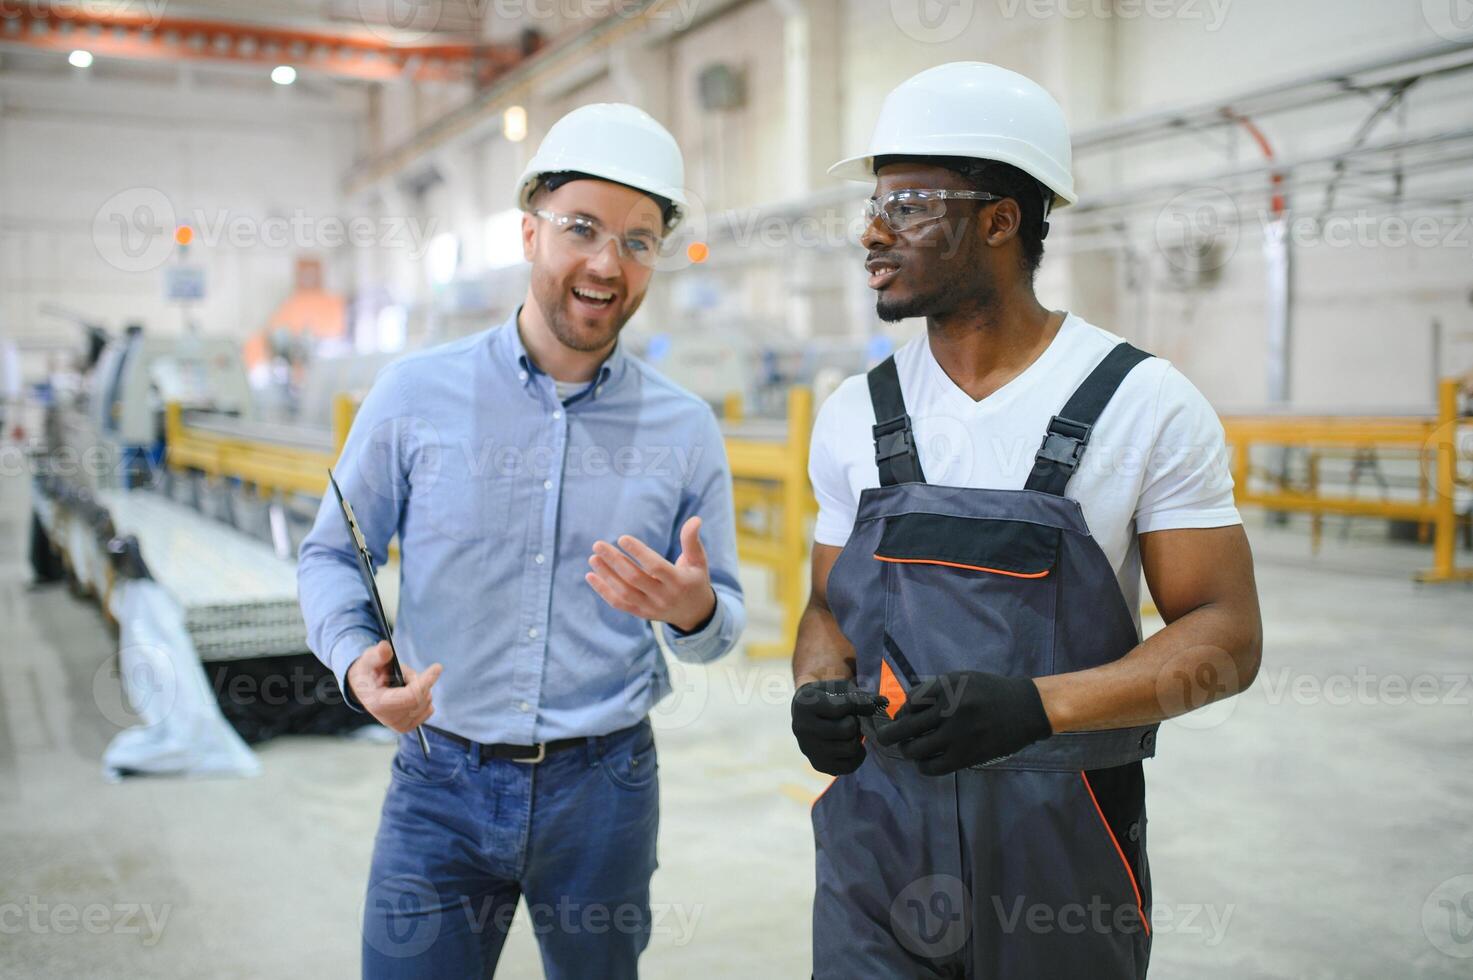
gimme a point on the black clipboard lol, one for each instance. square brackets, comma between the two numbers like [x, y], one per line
[365, 571]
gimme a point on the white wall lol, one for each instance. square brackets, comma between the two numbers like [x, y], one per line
[77, 155]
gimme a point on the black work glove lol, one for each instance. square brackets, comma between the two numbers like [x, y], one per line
[964, 718]
[826, 722]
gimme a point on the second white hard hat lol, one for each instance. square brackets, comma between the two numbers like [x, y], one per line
[973, 109]
[617, 142]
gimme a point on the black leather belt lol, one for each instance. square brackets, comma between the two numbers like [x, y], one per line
[520, 753]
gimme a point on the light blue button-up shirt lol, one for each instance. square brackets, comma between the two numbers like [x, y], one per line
[497, 491]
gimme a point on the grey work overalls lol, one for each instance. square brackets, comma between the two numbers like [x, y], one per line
[1032, 866]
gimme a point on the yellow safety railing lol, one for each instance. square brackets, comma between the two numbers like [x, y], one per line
[773, 502]
[770, 482]
[270, 467]
[1428, 440]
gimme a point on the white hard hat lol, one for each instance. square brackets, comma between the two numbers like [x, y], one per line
[973, 109]
[614, 141]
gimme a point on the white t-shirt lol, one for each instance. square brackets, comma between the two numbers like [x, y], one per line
[1156, 459]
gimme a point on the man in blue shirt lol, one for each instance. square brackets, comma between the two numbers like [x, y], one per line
[555, 500]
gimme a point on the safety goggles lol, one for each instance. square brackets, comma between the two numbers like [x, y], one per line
[906, 209]
[586, 236]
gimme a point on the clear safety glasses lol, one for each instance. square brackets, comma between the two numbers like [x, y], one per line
[587, 236]
[906, 209]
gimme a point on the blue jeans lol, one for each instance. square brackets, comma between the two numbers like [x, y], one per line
[459, 842]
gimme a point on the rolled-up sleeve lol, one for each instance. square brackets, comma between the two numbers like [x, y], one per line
[372, 473]
[708, 495]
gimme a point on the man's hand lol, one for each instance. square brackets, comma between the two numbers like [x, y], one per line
[964, 718]
[651, 587]
[399, 708]
[826, 722]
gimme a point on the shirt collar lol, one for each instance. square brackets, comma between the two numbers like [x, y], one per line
[515, 356]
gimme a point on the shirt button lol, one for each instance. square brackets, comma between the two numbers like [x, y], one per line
[557, 415]
[532, 632]
[523, 706]
[547, 484]
[521, 375]
[539, 559]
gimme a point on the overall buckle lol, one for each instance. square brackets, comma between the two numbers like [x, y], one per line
[893, 438]
[1064, 442]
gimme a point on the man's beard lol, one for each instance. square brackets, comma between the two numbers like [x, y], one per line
[565, 325]
[943, 299]
[892, 310]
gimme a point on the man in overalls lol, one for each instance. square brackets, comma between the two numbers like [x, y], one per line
[970, 665]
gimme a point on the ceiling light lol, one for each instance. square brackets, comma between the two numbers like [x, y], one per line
[514, 124]
[283, 74]
[80, 59]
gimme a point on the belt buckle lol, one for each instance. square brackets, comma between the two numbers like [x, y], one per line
[541, 754]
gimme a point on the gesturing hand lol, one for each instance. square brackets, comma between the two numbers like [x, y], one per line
[651, 587]
[399, 708]
[965, 718]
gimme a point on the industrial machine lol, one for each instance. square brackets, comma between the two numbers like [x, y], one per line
[137, 375]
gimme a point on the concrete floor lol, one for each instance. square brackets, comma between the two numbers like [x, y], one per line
[1312, 828]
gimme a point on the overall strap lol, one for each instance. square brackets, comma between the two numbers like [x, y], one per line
[895, 444]
[1068, 432]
